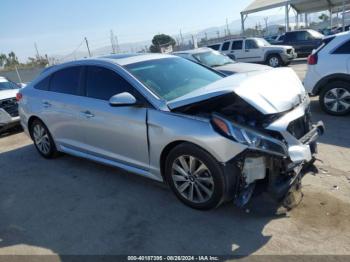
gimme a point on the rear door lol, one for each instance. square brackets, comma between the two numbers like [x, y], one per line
[60, 106]
[252, 51]
[237, 50]
[113, 133]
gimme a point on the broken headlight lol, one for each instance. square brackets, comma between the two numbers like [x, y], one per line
[249, 137]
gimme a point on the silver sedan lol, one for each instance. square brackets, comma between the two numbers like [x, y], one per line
[211, 138]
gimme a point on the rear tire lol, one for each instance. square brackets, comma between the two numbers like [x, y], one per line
[274, 60]
[43, 140]
[195, 177]
[335, 98]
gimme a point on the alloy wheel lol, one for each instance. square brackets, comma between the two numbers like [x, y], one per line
[274, 61]
[192, 179]
[337, 100]
[41, 139]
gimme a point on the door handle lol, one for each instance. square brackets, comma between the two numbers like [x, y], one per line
[88, 114]
[46, 104]
[247, 50]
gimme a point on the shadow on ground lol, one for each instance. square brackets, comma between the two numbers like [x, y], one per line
[337, 128]
[73, 206]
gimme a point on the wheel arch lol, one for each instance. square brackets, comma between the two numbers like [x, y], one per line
[168, 148]
[329, 79]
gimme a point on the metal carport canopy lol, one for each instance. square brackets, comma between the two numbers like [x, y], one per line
[301, 6]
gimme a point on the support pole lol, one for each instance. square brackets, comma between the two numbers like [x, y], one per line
[343, 19]
[331, 17]
[287, 18]
[242, 21]
[306, 21]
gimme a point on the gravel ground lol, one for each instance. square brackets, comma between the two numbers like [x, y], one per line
[73, 206]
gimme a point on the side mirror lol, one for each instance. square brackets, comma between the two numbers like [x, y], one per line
[123, 99]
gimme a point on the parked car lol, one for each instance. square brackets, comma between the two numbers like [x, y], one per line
[8, 105]
[257, 50]
[303, 41]
[210, 137]
[218, 61]
[328, 74]
[271, 39]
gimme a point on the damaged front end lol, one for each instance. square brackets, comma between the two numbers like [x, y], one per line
[280, 158]
[280, 147]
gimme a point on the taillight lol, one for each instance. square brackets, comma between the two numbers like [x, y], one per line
[312, 59]
[19, 97]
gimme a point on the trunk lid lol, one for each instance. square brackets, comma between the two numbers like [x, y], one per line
[270, 92]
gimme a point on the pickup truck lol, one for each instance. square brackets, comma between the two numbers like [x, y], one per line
[8, 105]
[303, 41]
[256, 50]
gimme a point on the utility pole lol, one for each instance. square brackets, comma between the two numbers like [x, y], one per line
[87, 45]
[218, 33]
[227, 27]
[37, 52]
[117, 44]
[182, 38]
[266, 29]
[112, 42]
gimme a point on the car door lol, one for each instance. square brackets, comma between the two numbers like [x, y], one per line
[113, 133]
[252, 51]
[60, 106]
[290, 38]
[237, 50]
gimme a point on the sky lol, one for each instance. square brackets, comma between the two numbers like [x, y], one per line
[59, 26]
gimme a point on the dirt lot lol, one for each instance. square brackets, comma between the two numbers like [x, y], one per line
[73, 206]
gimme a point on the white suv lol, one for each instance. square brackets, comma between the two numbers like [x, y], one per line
[256, 50]
[328, 74]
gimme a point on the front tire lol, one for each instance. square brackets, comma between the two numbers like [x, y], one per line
[43, 140]
[335, 98]
[195, 177]
[274, 60]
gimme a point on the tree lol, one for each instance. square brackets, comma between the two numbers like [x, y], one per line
[161, 40]
[324, 17]
[3, 58]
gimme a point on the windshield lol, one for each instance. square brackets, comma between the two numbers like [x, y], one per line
[6, 85]
[213, 59]
[262, 42]
[316, 34]
[171, 78]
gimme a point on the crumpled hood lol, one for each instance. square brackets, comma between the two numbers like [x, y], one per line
[242, 68]
[11, 93]
[270, 92]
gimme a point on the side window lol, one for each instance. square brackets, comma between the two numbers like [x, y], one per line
[237, 45]
[43, 84]
[66, 81]
[226, 46]
[250, 44]
[343, 49]
[291, 37]
[102, 83]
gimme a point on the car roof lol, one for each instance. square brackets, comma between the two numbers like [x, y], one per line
[3, 79]
[194, 51]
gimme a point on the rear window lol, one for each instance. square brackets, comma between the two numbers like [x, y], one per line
[343, 49]
[43, 84]
[66, 81]
[237, 45]
[325, 42]
[226, 46]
